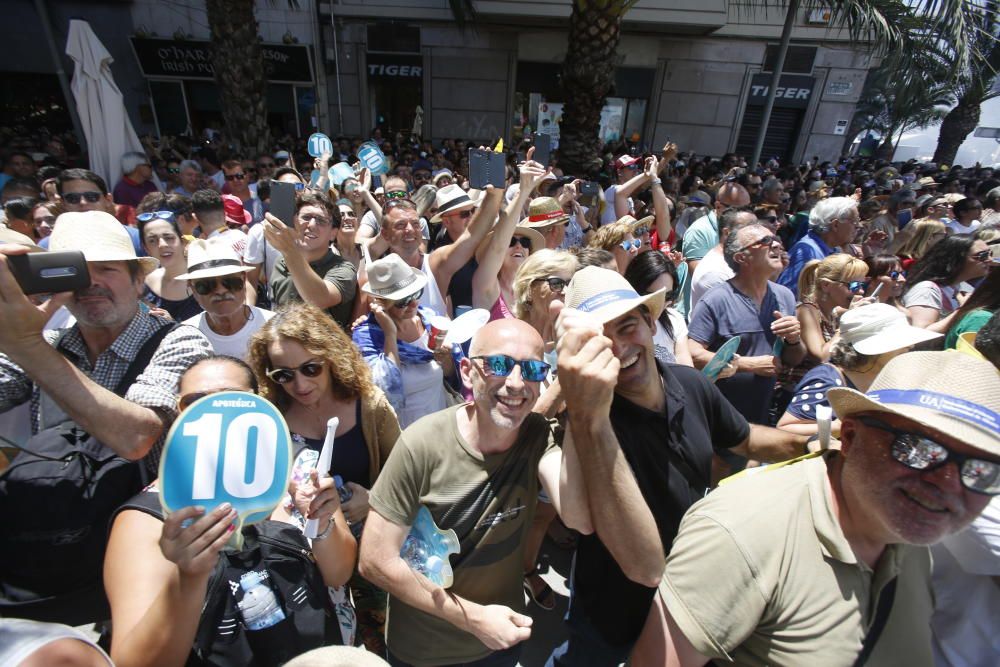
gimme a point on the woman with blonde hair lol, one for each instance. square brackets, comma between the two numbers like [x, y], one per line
[308, 367]
[926, 232]
[617, 238]
[424, 199]
[827, 288]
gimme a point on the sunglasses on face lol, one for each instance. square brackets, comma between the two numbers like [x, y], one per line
[767, 241]
[407, 300]
[398, 194]
[918, 452]
[156, 215]
[982, 256]
[894, 275]
[310, 369]
[501, 365]
[629, 245]
[187, 400]
[555, 283]
[236, 177]
[854, 285]
[91, 196]
[464, 215]
[300, 186]
[173, 170]
[206, 286]
[524, 242]
[641, 231]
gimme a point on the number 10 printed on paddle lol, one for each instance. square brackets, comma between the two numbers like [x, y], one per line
[229, 447]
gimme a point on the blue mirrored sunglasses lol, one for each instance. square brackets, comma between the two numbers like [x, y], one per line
[502, 365]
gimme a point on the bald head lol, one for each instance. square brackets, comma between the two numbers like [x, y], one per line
[733, 194]
[500, 334]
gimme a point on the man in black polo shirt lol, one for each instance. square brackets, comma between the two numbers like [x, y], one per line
[666, 419]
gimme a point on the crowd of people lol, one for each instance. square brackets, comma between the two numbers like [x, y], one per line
[760, 404]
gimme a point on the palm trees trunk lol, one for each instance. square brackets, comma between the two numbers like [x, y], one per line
[239, 73]
[587, 75]
[955, 127]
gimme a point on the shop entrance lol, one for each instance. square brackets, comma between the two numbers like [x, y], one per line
[396, 89]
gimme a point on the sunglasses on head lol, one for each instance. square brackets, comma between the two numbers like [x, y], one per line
[628, 245]
[555, 283]
[407, 300]
[397, 194]
[501, 365]
[91, 196]
[156, 215]
[918, 452]
[205, 286]
[523, 241]
[399, 203]
[310, 369]
[239, 176]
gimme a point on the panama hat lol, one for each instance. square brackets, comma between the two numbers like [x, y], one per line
[451, 198]
[99, 236]
[207, 259]
[544, 212]
[949, 392]
[634, 224]
[391, 278]
[878, 328]
[607, 295]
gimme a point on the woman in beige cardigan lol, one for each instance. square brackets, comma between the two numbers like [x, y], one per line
[311, 370]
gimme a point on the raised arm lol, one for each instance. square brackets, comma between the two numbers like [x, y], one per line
[661, 207]
[625, 190]
[310, 285]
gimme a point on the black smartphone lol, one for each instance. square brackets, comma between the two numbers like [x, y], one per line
[543, 149]
[283, 201]
[486, 168]
[589, 192]
[50, 272]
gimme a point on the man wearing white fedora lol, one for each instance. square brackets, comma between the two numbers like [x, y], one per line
[826, 561]
[217, 279]
[667, 420]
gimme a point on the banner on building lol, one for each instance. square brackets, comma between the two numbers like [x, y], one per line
[192, 59]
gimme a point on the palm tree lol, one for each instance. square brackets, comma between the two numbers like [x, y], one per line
[239, 73]
[975, 85]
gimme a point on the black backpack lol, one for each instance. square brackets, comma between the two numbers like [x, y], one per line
[281, 553]
[56, 499]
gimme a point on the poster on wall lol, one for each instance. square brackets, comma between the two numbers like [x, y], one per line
[549, 117]
[612, 120]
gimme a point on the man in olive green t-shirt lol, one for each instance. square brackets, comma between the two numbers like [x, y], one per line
[477, 468]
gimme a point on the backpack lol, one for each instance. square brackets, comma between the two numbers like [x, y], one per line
[56, 499]
[279, 554]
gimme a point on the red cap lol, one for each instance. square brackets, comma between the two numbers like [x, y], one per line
[235, 213]
[626, 161]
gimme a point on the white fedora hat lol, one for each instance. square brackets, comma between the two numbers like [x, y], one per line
[878, 328]
[451, 198]
[607, 295]
[391, 278]
[207, 259]
[99, 236]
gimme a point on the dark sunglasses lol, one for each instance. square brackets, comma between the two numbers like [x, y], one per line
[918, 452]
[185, 401]
[205, 286]
[501, 365]
[398, 194]
[91, 196]
[407, 300]
[894, 275]
[310, 369]
[524, 241]
[239, 176]
[173, 170]
[640, 231]
[854, 285]
[982, 256]
[767, 241]
[156, 215]
[556, 284]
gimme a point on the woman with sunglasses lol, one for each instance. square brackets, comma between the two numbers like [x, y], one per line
[158, 569]
[977, 309]
[395, 341]
[887, 271]
[617, 238]
[165, 289]
[827, 288]
[505, 249]
[647, 273]
[308, 367]
[935, 280]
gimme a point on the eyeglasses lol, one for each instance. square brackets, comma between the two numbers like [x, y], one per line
[982, 256]
[524, 242]
[407, 300]
[629, 245]
[92, 197]
[187, 400]
[205, 286]
[501, 365]
[310, 369]
[239, 176]
[555, 283]
[640, 231]
[173, 170]
[398, 194]
[318, 219]
[156, 215]
[766, 241]
[918, 452]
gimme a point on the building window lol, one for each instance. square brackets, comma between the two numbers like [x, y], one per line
[798, 60]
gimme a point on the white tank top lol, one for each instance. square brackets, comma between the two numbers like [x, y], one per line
[432, 295]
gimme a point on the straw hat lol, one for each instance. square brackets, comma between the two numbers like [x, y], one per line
[451, 198]
[878, 328]
[607, 295]
[99, 236]
[947, 391]
[634, 224]
[207, 259]
[544, 212]
[391, 278]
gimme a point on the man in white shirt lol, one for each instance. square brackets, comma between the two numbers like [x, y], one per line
[712, 270]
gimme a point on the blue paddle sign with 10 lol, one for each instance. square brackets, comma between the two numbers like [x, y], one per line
[318, 144]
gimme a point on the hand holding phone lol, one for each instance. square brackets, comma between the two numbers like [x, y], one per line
[283, 201]
[50, 272]
[543, 149]
[486, 167]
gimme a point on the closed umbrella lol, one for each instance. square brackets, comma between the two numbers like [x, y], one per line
[105, 123]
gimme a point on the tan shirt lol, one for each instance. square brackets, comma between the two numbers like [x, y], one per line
[761, 574]
[488, 500]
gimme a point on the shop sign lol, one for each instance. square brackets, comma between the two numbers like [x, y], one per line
[395, 66]
[793, 90]
[192, 59]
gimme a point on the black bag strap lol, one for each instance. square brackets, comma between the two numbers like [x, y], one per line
[143, 357]
[885, 601]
